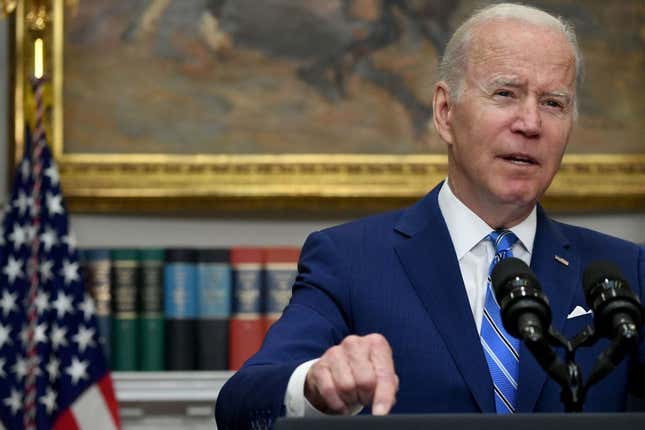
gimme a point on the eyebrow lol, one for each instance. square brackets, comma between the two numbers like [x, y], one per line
[515, 83]
[506, 82]
[561, 94]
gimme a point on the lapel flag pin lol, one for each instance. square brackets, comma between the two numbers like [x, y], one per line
[562, 260]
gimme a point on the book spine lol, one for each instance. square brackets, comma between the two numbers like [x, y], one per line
[247, 327]
[214, 308]
[180, 309]
[151, 313]
[125, 280]
[280, 270]
[96, 266]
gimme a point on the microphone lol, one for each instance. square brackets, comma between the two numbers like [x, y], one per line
[526, 315]
[525, 310]
[617, 310]
[617, 315]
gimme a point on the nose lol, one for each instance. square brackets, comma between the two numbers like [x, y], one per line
[528, 120]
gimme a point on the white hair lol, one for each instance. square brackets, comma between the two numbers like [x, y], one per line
[454, 61]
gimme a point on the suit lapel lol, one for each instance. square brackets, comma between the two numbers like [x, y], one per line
[428, 257]
[558, 283]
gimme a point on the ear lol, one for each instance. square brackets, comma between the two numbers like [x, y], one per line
[442, 112]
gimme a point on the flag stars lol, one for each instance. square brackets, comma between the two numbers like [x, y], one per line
[70, 241]
[23, 202]
[5, 335]
[46, 270]
[49, 400]
[7, 303]
[77, 370]
[70, 272]
[20, 368]
[49, 239]
[18, 236]
[52, 173]
[58, 336]
[62, 304]
[40, 333]
[58, 321]
[42, 301]
[14, 401]
[54, 204]
[13, 269]
[87, 306]
[84, 338]
[53, 369]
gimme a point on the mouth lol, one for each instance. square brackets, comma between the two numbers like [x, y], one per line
[520, 159]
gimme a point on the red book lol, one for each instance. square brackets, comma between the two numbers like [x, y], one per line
[280, 270]
[245, 339]
[247, 327]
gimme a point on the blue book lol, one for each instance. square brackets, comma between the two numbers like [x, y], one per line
[214, 289]
[281, 268]
[180, 308]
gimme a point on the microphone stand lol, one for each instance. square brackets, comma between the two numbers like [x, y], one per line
[567, 373]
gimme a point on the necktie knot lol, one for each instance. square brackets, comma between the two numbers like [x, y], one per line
[502, 240]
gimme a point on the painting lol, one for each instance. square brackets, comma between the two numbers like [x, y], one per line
[312, 105]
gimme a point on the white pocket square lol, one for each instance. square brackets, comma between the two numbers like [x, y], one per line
[578, 311]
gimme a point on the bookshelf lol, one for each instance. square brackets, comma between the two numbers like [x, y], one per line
[186, 386]
[168, 400]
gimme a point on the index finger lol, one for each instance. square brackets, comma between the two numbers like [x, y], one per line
[386, 379]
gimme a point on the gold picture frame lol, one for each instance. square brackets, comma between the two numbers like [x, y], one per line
[320, 184]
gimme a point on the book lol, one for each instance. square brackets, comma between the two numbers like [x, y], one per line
[151, 310]
[96, 267]
[280, 270]
[214, 308]
[125, 281]
[180, 308]
[247, 326]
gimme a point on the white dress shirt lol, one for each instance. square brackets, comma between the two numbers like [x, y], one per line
[468, 234]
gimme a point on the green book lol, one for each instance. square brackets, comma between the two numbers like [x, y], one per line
[125, 282]
[151, 313]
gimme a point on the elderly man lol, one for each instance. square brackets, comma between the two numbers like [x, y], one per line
[394, 313]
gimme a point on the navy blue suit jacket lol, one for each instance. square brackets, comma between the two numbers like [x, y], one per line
[397, 274]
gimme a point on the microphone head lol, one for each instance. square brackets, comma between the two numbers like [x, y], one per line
[608, 295]
[520, 296]
[505, 271]
[600, 272]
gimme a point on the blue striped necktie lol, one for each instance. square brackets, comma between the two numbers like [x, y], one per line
[500, 348]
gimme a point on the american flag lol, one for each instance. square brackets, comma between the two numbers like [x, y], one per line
[53, 374]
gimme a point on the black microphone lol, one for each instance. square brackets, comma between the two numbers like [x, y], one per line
[617, 310]
[617, 314]
[525, 310]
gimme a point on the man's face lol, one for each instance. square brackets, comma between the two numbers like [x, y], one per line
[510, 126]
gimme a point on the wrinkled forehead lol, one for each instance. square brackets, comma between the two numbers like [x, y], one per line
[508, 46]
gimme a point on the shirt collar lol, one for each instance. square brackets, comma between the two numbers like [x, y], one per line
[467, 229]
